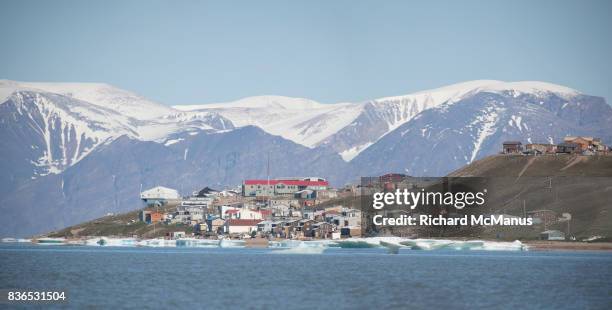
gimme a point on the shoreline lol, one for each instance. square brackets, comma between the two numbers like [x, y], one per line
[567, 246]
[532, 245]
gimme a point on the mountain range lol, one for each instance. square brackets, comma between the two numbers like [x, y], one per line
[75, 151]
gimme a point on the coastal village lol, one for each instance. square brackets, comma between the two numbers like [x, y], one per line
[276, 208]
[294, 208]
[308, 208]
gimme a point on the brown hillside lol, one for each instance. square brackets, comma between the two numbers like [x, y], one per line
[537, 166]
[575, 184]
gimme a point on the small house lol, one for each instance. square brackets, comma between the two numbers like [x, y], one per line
[176, 234]
[150, 217]
[244, 214]
[241, 226]
[305, 194]
[316, 215]
[552, 235]
[289, 227]
[215, 225]
[268, 226]
[512, 147]
[320, 230]
[583, 143]
[304, 225]
[568, 148]
[280, 210]
[541, 148]
[350, 231]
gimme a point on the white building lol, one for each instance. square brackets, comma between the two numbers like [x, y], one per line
[346, 218]
[243, 214]
[312, 214]
[160, 193]
[268, 226]
[187, 214]
[280, 210]
[239, 226]
[552, 235]
[197, 201]
[223, 210]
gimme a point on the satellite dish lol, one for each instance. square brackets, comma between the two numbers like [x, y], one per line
[566, 216]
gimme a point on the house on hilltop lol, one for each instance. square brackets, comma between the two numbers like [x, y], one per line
[568, 148]
[586, 144]
[541, 148]
[512, 147]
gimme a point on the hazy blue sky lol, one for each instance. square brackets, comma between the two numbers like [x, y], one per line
[180, 52]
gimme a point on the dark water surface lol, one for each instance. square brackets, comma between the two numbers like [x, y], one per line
[216, 278]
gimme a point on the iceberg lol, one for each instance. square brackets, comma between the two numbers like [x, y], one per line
[51, 241]
[105, 241]
[392, 244]
[196, 243]
[440, 244]
[356, 244]
[158, 242]
[302, 248]
[287, 244]
[229, 243]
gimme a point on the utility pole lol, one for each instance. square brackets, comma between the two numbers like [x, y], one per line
[268, 175]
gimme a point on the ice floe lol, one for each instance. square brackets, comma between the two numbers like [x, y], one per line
[392, 244]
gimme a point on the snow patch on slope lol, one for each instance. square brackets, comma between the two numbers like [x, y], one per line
[351, 153]
[487, 121]
[73, 127]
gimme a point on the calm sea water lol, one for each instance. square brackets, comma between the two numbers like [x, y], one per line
[340, 278]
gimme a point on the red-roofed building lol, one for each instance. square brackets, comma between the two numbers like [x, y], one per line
[266, 213]
[240, 226]
[391, 178]
[280, 187]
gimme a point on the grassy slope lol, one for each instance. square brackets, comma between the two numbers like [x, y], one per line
[120, 225]
[535, 166]
[581, 185]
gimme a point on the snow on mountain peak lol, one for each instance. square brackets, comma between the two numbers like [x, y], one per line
[522, 87]
[303, 121]
[100, 94]
[258, 102]
[311, 123]
[454, 92]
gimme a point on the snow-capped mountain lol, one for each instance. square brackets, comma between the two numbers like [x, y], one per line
[103, 95]
[66, 143]
[49, 127]
[350, 128]
[451, 135]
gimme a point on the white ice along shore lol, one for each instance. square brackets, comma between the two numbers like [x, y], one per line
[76, 118]
[392, 244]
